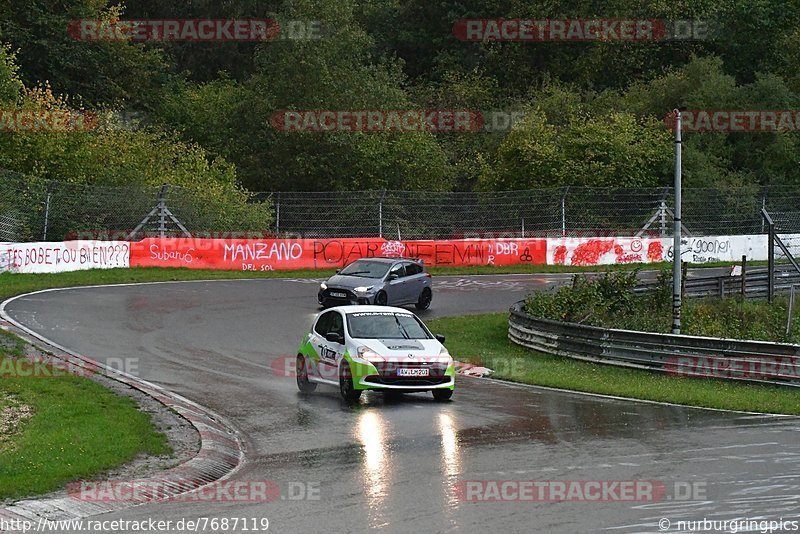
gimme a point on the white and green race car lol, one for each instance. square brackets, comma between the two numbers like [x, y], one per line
[358, 348]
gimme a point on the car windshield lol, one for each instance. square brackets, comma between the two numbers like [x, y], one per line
[386, 325]
[366, 269]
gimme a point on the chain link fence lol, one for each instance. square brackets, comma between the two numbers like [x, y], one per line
[39, 210]
[33, 210]
[569, 211]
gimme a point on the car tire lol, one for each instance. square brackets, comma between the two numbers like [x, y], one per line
[442, 395]
[381, 299]
[424, 300]
[301, 369]
[346, 388]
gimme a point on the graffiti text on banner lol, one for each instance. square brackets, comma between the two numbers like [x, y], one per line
[283, 254]
[58, 257]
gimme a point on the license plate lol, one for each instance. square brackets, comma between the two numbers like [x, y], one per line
[338, 295]
[413, 372]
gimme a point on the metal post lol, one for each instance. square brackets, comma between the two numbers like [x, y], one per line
[278, 214]
[790, 311]
[663, 217]
[685, 267]
[46, 214]
[744, 276]
[564, 212]
[162, 211]
[770, 261]
[523, 228]
[380, 214]
[676, 242]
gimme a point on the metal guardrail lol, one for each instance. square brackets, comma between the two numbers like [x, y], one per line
[756, 283]
[752, 361]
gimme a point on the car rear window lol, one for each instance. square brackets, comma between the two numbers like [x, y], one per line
[386, 325]
[413, 268]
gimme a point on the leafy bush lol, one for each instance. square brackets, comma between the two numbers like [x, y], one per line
[609, 301]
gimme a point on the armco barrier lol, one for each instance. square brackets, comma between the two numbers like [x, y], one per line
[757, 361]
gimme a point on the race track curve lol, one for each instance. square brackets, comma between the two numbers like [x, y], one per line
[395, 463]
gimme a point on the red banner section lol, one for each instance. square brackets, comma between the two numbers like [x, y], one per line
[283, 254]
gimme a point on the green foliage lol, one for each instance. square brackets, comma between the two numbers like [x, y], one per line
[609, 301]
[616, 149]
[593, 112]
[590, 300]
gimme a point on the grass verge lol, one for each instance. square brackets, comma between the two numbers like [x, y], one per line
[482, 339]
[76, 429]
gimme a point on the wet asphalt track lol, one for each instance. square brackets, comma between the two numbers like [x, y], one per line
[395, 463]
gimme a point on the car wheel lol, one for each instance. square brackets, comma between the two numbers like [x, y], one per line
[346, 387]
[425, 298]
[442, 395]
[303, 384]
[382, 299]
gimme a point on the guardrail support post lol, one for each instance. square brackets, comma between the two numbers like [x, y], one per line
[744, 276]
[685, 268]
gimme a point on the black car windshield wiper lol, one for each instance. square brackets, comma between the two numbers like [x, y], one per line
[356, 272]
[401, 327]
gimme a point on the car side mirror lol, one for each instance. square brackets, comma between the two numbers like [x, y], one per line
[337, 271]
[334, 337]
[439, 338]
[393, 277]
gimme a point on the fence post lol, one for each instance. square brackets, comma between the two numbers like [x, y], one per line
[46, 213]
[278, 214]
[771, 260]
[162, 211]
[380, 214]
[663, 217]
[564, 212]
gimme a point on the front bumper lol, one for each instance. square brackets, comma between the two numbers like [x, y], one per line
[385, 376]
[333, 296]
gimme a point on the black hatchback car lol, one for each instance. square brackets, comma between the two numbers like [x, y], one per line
[381, 281]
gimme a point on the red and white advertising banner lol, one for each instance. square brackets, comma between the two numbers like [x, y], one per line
[694, 249]
[284, 254]
[59, 257]
[606, 251]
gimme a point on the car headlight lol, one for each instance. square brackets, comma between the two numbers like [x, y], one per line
[363, 289]
[323, 286]
[370, 355]
[444, 353]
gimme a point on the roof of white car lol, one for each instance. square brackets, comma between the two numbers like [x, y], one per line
[369, 308]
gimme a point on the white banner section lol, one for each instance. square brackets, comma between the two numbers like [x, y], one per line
[619, 250]
[59, 257]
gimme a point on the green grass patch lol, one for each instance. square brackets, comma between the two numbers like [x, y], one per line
[77, 429]
[483, 340]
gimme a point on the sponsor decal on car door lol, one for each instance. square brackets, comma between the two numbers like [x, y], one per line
[330, 352]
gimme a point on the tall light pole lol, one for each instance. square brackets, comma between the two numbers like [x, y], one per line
[676, 244]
